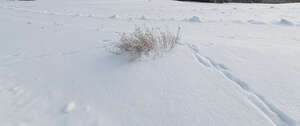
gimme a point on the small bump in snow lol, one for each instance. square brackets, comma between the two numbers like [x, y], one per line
[256, 22]
[143, 18]
[193, 19]
[70, 107]
[115, 17]
[16, 90]
[286, 22]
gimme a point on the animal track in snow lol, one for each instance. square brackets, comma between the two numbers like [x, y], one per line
[202, 60]
[271, 112]
[16, 90]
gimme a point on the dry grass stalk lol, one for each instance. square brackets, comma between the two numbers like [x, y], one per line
[146, 41]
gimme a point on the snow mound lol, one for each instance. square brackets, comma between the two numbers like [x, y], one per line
[70, 107]
[256, 22]
[193, 19]
[286, 22]
[143, 18]
[115, 17]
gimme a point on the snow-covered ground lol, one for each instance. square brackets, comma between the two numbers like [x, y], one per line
[238, 64]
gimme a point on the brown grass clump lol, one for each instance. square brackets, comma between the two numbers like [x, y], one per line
[145, 41]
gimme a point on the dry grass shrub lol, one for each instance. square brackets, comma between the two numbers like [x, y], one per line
[146, 41]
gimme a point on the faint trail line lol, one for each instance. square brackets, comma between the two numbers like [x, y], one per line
[45, 12]
[270, 111]
[80, 15]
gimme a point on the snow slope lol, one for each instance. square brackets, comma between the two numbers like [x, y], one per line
[238, 64]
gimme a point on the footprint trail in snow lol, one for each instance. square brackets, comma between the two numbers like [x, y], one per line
[269, 110]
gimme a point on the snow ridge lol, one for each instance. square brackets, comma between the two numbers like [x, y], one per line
[258, 101]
